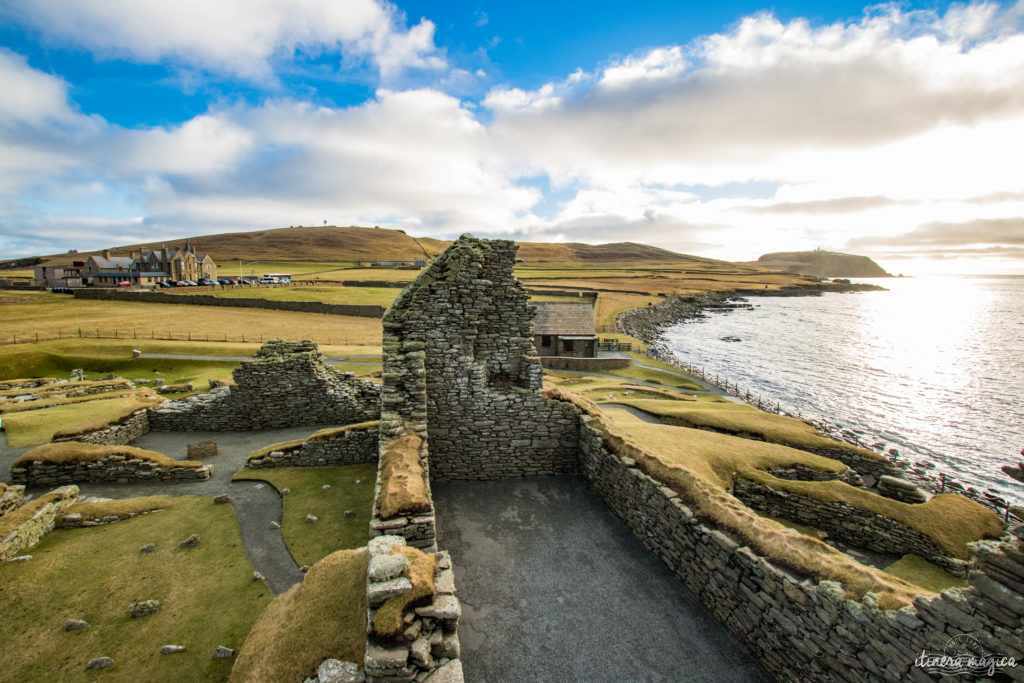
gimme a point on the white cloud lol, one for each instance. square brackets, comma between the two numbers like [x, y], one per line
[30, 96]
[870, 131]
[235, 37]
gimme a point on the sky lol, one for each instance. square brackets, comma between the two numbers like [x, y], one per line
[726, 129]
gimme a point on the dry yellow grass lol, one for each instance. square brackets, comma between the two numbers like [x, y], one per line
[12, 520]
[68, 452]
[403, 486]
[388, 621]
[745, 421]
[950, 520]
[700, 485]
[119, 508]
[334, 432]
[47, 314]
[322, 617]
[40, 426]
[7, 408]
[922, 573]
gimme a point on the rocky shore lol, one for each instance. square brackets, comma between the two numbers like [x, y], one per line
[648, 324]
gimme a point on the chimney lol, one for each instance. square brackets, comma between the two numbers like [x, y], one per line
[134, 254]
[106, 254]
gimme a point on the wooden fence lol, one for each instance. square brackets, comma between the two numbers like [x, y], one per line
[96, 333]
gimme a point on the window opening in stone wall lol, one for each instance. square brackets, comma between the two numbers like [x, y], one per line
[545, 340]
[567, 345]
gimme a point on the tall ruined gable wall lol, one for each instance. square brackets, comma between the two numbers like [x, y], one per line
[459, 361]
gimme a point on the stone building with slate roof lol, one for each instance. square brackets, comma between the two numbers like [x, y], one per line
[148, 267]
[565, 329]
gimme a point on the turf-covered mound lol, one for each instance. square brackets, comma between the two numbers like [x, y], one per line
[321, 618]
[74, 461]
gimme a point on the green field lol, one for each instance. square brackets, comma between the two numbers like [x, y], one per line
[309, 542]
[207, 598]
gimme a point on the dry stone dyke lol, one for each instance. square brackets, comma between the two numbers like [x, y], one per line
[859, 527]
[120, 433]
[352, 446]
[286, 384]
[801, 629]
[112, 468]
[42, 522]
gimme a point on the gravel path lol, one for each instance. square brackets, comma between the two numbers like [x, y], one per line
[555, 587]
[256, 504]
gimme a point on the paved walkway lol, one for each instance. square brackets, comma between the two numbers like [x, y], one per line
[255, 503]
[554, 587]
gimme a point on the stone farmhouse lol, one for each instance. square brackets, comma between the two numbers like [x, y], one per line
[565, 329]
[145, 268]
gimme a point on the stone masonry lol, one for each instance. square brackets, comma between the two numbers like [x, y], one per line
[345, 447]
[429, 642]
[857, 526]
[459, 362]
[110, 469]
[286, 384]
[802, 629]
[121, 433]
[45, 510]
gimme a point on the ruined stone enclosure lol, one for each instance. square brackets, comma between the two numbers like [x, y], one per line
[461, 400]
[460, 368]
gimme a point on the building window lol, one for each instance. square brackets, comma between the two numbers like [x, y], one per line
[567, 345]
[545, 340]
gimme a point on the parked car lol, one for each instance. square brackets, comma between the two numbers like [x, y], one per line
[246, 281]
[204, 282]
[124, 283]
[165, 283]
[224, 283]
[190, 283]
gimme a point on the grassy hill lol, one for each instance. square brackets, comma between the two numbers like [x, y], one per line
[332, 244]
[821, 264]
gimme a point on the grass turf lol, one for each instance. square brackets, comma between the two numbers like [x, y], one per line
[388, 621]
[403, 487]
[322, 617]
[207, 597]
[923, 573]
[747, 421]
[310, 542]
[66, 452]
[48, 314]
[635, 372]
[700, 474]
[34, 427]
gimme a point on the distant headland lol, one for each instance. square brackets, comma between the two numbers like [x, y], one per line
[821, 264]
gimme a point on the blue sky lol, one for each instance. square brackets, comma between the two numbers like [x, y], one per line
[722, 129]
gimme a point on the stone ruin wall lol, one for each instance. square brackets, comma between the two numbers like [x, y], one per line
[351, 447]
[428, 647]
[286, 384]
[119, 434]
[459, 361]
[857, 526]
[42, 522]
[798, 628]
[118, 469]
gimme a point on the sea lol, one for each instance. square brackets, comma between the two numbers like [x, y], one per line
[933, 367]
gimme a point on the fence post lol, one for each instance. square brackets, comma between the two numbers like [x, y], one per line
[79, 332]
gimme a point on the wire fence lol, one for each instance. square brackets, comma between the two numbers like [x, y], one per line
[97, 333]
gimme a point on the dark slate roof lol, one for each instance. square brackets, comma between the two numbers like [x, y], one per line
[556, 317]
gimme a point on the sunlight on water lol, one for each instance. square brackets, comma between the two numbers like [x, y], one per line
[934, 367]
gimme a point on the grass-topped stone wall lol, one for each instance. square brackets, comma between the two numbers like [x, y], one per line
[25, 526]
[348, 445]
[805, 609]
[74, 461]
[286, 384]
